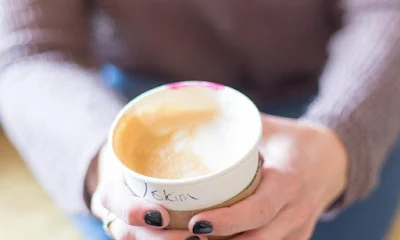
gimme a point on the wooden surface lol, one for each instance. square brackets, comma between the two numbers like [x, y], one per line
[27, 213]
[25, 210]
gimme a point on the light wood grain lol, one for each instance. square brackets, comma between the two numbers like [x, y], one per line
[27, 213]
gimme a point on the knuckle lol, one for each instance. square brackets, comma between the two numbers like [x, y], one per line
[231, 226]
[134, 215]
[260, 212]
[267, 211]
[263, 216]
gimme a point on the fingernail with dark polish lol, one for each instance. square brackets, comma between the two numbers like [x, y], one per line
[153, 218]
[202, 227]
[193, 238]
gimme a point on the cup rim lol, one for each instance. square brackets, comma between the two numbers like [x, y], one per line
[182, 181]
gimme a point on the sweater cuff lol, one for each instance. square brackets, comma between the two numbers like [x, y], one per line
[362, 176]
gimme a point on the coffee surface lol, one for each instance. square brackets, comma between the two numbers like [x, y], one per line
[158, 141]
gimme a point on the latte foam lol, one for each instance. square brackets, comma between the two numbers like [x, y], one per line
[182, 133]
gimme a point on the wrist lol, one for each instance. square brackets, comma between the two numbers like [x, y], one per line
[337, 148]
[335, 159]
[339, 165]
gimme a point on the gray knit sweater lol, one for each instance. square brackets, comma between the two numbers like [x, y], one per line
[57, 113]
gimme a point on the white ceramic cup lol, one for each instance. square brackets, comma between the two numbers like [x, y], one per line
[206, 191]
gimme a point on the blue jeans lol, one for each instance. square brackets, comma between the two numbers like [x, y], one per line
[367, 220]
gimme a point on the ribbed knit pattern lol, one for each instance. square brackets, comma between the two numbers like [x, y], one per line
[360, 93]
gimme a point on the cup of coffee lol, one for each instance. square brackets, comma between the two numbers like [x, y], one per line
[189, 146]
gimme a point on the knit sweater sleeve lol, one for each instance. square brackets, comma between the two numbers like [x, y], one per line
[359, 91]
[52, 103]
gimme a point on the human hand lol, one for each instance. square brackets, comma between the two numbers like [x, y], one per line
[137, 219]
[304, 172]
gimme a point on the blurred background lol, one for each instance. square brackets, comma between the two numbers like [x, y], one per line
[26, 212]
[33, 215]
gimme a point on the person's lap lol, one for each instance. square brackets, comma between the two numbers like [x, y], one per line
[367, 220]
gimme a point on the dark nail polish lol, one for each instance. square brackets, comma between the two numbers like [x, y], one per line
[202, 227]
[193, 238]
[153, 218]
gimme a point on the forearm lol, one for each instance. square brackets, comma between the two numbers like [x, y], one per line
[358, 97]
[58, 117]
[52, 103]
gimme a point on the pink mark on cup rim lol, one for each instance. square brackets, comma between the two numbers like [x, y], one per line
[179, 85]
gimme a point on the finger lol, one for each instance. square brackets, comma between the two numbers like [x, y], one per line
[118, 199]
[252, 213]
[121, 231]
[286, 224]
